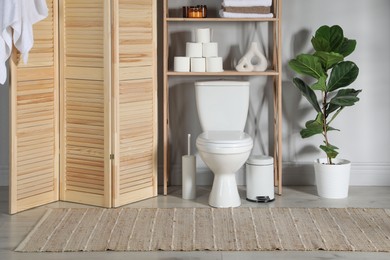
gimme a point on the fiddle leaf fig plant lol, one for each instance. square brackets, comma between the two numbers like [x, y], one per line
[326, 72]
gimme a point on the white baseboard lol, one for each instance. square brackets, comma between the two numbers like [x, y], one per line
[362, 174]
[302, 174]
[370, 174]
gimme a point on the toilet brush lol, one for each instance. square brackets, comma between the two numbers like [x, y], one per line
[189, 173]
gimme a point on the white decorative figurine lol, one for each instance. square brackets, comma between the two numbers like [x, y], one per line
[245, 63]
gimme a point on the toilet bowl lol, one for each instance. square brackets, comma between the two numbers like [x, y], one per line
[224, 146]
[224, 152]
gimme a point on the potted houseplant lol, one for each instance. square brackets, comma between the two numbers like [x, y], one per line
[327, 72]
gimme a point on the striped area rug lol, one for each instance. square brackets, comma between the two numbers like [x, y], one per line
[190, 229]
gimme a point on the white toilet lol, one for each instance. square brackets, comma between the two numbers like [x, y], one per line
[222, 109]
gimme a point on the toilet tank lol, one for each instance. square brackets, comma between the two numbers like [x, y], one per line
[222, 105]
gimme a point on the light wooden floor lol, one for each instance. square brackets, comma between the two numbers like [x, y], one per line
[14, 228]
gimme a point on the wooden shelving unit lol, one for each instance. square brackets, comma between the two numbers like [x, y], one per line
[275, 72]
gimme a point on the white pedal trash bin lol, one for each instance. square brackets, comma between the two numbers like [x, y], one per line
[260, 179]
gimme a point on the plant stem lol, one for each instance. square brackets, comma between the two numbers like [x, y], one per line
[324, 122]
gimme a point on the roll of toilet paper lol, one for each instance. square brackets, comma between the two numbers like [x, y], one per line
[198, 64]
[210, 49]
[194, 49]
[189, 177]
[181, 64]
[203, 35]
[214, 64]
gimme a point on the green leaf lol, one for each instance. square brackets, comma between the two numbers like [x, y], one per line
[329, 128]
[343, 74]
[347, 47]
[331, 146]
[346, 97]
[345, 101]
[307, 64]
[330, 150]
[308, 93]
[313, 127]
[329, 59]
[310, 131]
[320, 44]
[320, 84]
[331, 108]
[328, 39]
[349, 91]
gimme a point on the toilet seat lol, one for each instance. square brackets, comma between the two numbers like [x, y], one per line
[224, 142]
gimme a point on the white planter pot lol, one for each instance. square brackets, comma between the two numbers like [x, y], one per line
[332, 179]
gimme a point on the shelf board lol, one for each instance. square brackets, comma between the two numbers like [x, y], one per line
[178, 19]
[225, 73]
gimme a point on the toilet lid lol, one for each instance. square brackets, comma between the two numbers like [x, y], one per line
[225, 139]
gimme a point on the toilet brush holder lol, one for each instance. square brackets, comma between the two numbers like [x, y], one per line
[188, 177]
[188, 164]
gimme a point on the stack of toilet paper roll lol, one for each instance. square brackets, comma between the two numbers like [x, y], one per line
[201, 56]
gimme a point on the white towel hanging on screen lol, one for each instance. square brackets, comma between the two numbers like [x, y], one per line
[16, 23]
[32, 11]
[9, 19]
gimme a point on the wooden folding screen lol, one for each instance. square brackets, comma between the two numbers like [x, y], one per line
[94, 108]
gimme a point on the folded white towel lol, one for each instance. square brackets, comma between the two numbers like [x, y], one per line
[16, 20]
[244, 15]
[247, 3]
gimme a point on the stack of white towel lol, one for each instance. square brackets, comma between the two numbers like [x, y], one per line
[246, 9]
[16, 20]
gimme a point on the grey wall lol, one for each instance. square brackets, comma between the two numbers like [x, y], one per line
[364, 137]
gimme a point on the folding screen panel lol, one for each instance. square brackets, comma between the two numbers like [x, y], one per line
[85, 84]
[34, 110]
[135, 112]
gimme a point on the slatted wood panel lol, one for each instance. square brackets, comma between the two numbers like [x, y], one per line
[135, 174]
[85, 154]
[34, 120]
